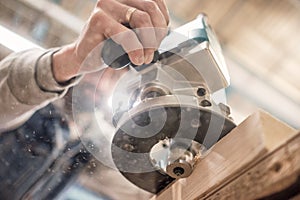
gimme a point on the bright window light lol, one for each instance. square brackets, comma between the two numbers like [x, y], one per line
[15, 42]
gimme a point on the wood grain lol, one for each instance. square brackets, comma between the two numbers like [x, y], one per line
[274, 173]
[257, 136]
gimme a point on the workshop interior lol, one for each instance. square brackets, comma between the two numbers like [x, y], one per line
[220, 62]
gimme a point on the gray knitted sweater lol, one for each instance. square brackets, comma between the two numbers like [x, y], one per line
[26, 85]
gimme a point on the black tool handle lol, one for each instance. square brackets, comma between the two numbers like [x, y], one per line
[114, 55]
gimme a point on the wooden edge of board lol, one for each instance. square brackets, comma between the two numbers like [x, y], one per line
[255, 137]
[274, 176]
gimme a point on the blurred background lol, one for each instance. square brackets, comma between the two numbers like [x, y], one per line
[260, 41]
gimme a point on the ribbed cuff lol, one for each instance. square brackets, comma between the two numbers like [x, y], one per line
[45, 77]
[31, 80]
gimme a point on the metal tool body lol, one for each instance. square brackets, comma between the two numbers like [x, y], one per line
[164, 114]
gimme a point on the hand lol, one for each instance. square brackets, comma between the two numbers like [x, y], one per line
[149, 17]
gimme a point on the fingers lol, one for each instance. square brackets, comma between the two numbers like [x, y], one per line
[107, 22]
[158, 13]
[142, 23]
[163, 8]
[103, 24]
[148, 13]
[115, 9]
[152, 8]
[139, 20]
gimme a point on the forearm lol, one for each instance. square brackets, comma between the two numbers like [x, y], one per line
[66, 64]
[27, 84]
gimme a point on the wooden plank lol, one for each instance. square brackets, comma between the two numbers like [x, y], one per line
[274, 173]
[258, 135]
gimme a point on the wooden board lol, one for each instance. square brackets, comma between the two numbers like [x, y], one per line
[254, 138]
[269, 177]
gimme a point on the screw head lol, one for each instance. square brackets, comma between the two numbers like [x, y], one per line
[205, 103]
[201, 92]
[178, 171]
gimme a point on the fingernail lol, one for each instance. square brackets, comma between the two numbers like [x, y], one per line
[149, 58]
[140, 60]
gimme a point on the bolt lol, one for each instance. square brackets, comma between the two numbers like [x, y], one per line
[195, 123]
[201, 92]
[178, 171]
[164, 145]
[205, 103]
[128, 147]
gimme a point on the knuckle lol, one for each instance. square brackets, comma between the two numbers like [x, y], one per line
[97, 17]
[143, 19]
[150, 6]
[100, 3]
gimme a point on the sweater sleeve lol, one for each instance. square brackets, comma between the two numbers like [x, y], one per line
[26, 85]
